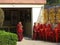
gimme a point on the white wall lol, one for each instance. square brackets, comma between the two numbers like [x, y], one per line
[37, 14]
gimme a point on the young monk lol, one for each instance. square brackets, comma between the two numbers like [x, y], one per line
[20, 31]
[34, 31]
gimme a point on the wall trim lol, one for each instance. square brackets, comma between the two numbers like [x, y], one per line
[18, 6]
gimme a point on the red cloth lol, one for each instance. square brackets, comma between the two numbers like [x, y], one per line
[35, 28]
[57, 33]
[42, 31]
[19, 28]
[20, 36]
[19, 32]
[34, 32]
[49, 34]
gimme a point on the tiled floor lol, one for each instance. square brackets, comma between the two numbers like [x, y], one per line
[31, 42]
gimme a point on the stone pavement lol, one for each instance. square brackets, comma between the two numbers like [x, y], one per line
[32, 42]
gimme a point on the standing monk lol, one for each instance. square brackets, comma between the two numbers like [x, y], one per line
[35, 31]
[20, 31]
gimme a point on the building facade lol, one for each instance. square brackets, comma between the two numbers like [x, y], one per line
[27, 11]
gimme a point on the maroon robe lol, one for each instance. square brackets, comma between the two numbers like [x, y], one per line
[19, 32]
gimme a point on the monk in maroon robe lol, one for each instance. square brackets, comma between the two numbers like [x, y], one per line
[35, 31]
[20, 31]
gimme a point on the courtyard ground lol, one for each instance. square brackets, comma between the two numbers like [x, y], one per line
[27, 41]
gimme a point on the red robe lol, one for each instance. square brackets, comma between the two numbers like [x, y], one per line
[19, 32]
[34, 32]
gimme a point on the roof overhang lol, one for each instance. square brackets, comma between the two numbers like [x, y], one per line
[22, 1]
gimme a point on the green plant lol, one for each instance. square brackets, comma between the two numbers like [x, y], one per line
[7, 38]
[53, 2]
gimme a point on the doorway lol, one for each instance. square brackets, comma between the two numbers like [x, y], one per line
[13, 15]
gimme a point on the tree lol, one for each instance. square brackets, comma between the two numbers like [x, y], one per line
[51, 2]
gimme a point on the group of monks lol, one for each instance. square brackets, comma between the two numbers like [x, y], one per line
[46, 32]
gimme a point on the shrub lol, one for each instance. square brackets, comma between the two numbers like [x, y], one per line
[7, 38]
